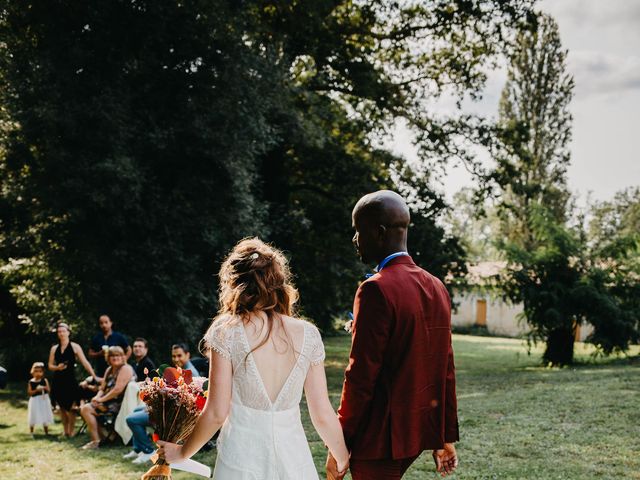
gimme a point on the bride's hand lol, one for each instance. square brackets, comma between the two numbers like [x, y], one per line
[336, 470]
[171, 452]
[342, 466]
[343, 471]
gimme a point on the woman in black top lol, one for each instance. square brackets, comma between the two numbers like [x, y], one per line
[64, 386]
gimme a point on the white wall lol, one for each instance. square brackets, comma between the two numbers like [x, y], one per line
[502, 316]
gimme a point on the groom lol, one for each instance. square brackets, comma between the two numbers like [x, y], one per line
[399, 394]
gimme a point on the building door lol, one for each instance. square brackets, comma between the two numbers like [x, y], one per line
[481, 313]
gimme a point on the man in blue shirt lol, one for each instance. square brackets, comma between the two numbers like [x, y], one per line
[181, 357]
[107, 338]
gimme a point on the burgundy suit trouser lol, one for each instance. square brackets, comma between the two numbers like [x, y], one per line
[380, 469]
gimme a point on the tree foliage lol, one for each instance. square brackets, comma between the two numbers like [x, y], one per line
[476, 224]
[140, 140]
[613, 240]
[121, 152]
[563, 283]
[356, 68]
[545, 280]
[615, 220]
[432, 246]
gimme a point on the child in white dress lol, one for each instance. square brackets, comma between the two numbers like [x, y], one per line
[39, 403]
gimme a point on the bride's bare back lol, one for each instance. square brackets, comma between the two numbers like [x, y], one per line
[277, 355]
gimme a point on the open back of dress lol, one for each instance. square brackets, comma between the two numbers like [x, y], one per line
[277, 356]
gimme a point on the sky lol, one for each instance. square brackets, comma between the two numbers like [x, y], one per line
[603, 39]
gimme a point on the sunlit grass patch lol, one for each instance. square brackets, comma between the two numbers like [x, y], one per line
[518, 420]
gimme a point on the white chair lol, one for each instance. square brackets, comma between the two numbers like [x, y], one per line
[130, 401]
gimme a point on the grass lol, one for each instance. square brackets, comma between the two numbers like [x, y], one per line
[518, 420]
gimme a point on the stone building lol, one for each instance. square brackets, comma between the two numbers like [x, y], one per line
[479, 303]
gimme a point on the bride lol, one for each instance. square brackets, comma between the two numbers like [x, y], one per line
[261, 359]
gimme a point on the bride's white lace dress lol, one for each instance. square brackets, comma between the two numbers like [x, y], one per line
[263, 439]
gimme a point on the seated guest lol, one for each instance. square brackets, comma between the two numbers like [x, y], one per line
[141, 359]
[180, 357]
[88, 389]
[143, 447]
[109, 398]
[201, 364]
[138, 421]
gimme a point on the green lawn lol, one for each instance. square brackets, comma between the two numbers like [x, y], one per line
[517, 420]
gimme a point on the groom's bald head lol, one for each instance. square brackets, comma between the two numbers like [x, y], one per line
[383, 207]
[381, 220]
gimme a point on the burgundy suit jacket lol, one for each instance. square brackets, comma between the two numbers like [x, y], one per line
[399, 393]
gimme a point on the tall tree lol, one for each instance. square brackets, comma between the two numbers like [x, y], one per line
[535, 129]
[561, 278]
[563, 281]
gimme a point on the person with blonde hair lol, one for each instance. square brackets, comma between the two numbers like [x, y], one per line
[109, 398]
[262, 357]
[39, 409]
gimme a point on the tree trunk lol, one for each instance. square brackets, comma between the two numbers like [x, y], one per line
[559, 349]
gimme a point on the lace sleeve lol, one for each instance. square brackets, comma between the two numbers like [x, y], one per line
[317, 354]
[217, 339]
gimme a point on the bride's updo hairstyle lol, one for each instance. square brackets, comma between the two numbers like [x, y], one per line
[255, 277]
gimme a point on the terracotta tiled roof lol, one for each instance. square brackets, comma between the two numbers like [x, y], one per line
[483, 272]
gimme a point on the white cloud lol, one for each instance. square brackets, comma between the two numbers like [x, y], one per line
[606, 25]
[600, 73]
[594, 16]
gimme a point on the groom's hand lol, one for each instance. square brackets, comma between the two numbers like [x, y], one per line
[332, 469]
[446, 459]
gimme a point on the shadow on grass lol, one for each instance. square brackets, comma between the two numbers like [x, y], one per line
[48, 438]
[14, 395]
[592, 363]
[601, 361]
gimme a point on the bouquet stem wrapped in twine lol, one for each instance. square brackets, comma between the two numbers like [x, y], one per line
[160, 470]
